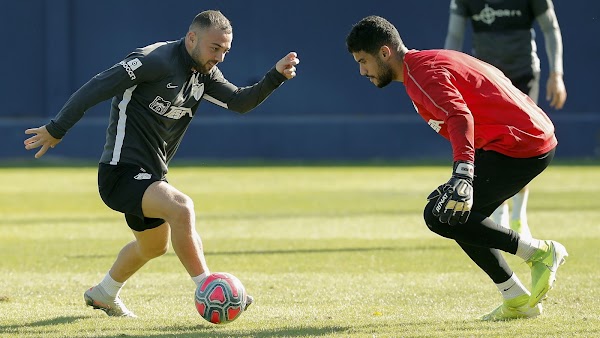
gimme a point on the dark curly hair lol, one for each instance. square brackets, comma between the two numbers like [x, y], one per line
[372, 32]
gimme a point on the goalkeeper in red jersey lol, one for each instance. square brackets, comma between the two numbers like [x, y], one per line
[503, 36]
[501, 140]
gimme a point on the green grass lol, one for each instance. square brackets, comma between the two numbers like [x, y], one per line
[326, 252]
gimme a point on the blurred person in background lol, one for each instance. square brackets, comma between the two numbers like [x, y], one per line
[155, 93]
[503, 36]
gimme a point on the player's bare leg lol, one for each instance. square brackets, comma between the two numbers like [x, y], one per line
[148, 244]
[162, 200]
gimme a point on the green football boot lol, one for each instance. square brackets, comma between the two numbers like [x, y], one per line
[514, 309]
[544, 264]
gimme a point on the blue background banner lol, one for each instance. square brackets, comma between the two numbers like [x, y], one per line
[328, 112]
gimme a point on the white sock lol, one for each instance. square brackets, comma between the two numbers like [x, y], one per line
[528, 246]
[512, 288]
[200, 277]
[500, 215]
[110, 286]
[519, 211]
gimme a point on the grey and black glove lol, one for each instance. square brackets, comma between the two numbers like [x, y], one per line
[454, 199]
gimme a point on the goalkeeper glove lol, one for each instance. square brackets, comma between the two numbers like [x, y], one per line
[454, 199]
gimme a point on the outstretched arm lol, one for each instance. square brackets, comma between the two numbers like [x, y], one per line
[94, 91]
[101, 87]
[555, 87]
[243, 99]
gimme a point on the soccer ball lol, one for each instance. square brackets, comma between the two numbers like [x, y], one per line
[220, 298]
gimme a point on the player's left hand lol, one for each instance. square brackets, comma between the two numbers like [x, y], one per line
[287, 65]
[453, 200]
[555, 91]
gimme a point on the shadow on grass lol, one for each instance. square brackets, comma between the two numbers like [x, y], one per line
[215, 217]
[299, 251]
[180, 331]
[325, 250]
[25, 220]
[41, 323]
[401, 328]
[222, 332]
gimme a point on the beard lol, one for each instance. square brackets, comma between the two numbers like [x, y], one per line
[203, 68]
[385, 75]
[206, 67]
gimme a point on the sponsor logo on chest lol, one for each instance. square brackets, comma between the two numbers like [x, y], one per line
[172, 109]
[488, 15]
[161, 107]
[434, 124]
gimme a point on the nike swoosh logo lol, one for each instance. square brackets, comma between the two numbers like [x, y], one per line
[510, 287]
[170, 86]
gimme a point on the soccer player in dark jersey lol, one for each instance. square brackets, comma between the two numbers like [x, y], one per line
[503, 36]
[500, 141]
[156, 91]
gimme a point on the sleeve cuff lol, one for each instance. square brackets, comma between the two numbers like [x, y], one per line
[276, 76]
[54, 130]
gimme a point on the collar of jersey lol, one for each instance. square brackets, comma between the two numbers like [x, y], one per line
[188, 62]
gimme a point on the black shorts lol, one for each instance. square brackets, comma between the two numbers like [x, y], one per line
[122, 187]
[499, 177]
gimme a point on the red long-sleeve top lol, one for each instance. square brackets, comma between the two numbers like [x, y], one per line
[474, 106]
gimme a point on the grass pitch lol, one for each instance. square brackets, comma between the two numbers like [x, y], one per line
[325, 251]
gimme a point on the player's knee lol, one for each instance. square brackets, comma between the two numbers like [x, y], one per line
[432, 222]
[153, 250]
[183, 211]
[430, 219]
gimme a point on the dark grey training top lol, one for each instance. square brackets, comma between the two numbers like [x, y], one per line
[503, 35]
[155, 95]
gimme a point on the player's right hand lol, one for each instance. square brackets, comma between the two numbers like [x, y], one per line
[453, 200]
[556, 93]
[41, 138]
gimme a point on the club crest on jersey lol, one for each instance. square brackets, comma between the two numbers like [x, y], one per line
[160, 105]
[435, 125]
[197, 90]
